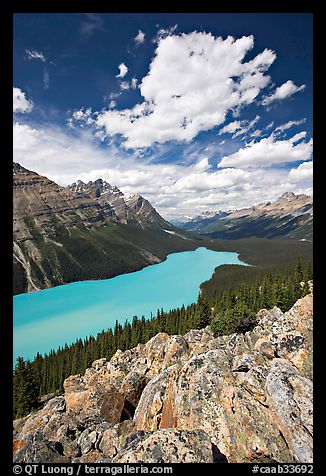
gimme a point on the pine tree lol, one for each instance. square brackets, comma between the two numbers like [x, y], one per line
[26, 388]
[203, 312]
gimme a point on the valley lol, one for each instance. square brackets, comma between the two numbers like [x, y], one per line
[91, 231]
[162, 241]
[136, 279]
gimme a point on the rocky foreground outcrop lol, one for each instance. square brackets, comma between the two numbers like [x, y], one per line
[192, 398]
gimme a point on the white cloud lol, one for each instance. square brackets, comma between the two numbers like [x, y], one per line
[269, 151]
[174, 189]
[123, 70]
[82, 114]
[193, 81]
[298, 137]
[202, 181]
[256, 133]
[124, 85]
[35, 55]
[201, 165]
[289, 124]
[287, 89]
[139, 38]
[164, 32]
[238, 128]
[134, 83]
[230, 128]
[246, 126]
[20, 103]
[302, 173]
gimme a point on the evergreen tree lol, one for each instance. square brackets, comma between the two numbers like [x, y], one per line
[234, 309]
[26, 388]
[203, 312]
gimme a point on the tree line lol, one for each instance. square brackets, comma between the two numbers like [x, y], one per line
[231, 310]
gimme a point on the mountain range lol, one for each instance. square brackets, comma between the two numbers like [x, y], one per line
[290, 216]
[93, 231]
[83, 231]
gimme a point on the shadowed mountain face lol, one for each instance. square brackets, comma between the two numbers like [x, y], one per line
[84, 231]
[290, 216]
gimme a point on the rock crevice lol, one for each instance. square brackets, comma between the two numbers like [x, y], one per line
[192, 398]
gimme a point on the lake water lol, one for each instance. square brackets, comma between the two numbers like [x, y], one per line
[47, 319]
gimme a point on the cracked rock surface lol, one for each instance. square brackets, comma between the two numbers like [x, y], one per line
[192, 398]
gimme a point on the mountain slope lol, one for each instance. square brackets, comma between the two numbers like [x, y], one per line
[69, 234]
[290, 216]
[134, 210]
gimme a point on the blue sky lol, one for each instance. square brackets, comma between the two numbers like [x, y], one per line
[194, 111]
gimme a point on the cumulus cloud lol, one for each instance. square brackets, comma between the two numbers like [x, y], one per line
[269, 151]
[302, 173]
[123, 70]
[174, 189]
[193, 81]
[286, 90]
[33, 54]
[139, 38]
[204, 181]
[201, 165]
[20, 103]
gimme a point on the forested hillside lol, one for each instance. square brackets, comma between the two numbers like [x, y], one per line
[231, 308]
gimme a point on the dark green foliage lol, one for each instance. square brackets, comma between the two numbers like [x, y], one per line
[230, 309]
[26, 388]
[98, 253]
[114, 249]
[235, 308]
[203, 312]
[19, 278]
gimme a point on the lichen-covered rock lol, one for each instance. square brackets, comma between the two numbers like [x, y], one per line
[148, 413]
[224, 391]
[33, 448]
[132, 386]
[115, 438]
[237, 398]
[93, 398]
[290, 400]
[174, 446]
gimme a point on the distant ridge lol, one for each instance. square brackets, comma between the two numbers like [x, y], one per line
[290, 216]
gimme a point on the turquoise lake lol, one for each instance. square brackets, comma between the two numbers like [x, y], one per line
[47, 319]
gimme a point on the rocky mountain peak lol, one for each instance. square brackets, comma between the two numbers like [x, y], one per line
[17, 168]
[290, 196]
